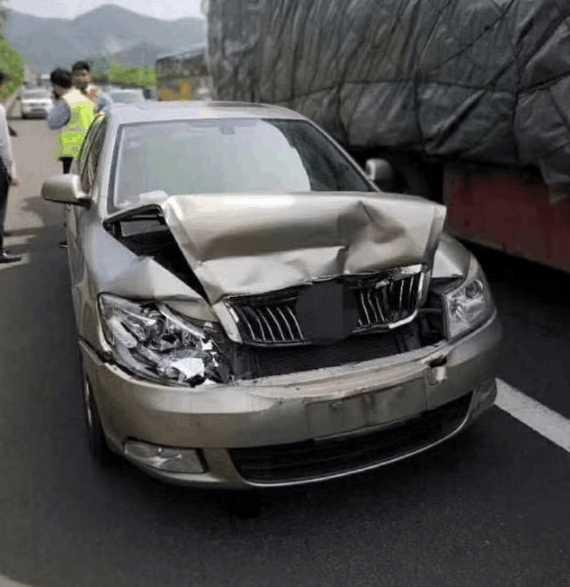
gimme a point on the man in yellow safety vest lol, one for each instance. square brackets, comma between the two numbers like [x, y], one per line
[82, 80]
[72, 113]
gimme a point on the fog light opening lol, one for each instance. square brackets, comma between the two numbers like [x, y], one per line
[165, 459]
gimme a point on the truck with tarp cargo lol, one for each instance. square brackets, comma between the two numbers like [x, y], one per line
[468, 100]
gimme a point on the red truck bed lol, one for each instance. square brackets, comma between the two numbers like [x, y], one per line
[503, 210]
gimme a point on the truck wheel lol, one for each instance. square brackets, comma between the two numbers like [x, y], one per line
[97, 441]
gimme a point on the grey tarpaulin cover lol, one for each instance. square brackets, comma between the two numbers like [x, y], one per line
[482, 80]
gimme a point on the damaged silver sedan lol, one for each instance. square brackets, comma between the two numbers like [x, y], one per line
[254, 312]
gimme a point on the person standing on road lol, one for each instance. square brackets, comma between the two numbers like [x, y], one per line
[82, 80]
[8, 177]
[72, 113]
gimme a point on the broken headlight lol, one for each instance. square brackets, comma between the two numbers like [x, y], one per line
[469, 306]
[154, 342]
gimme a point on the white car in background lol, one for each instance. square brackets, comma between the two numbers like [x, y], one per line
[35, 103]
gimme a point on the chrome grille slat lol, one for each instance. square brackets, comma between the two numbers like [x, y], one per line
[393, 300]
[383, 301]
[243, 318]
[386, 300]
[250, 312]
[410, 305]
[261, 312]
[372, 307]
[379, 306]
[420, 287]
[365, 308]
[401, 311]
[281, 332]
[296, 322]
[287, 324]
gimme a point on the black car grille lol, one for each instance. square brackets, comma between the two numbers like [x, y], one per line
[317, 459]
[383, 301]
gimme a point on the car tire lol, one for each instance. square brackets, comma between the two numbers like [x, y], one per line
[96, 438]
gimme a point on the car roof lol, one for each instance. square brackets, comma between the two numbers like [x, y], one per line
[194, 110]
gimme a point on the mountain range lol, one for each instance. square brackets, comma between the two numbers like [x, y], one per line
[109, 32]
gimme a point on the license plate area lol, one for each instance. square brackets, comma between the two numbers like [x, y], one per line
[367, 410]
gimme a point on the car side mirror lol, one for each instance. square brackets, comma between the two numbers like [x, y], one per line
[65, 189]
[381, 173]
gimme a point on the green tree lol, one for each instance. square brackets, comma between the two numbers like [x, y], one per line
[11, 62]
[134, 77]
[3, 14]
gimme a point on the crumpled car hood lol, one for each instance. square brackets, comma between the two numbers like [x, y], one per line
[244, 244]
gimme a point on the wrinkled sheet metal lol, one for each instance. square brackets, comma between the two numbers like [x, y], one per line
[115, 269]
[253, 244]
[109, 267]
[481, 80]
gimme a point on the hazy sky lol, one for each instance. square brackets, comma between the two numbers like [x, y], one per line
[170, 9]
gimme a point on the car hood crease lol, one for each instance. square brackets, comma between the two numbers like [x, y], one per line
[244, 244]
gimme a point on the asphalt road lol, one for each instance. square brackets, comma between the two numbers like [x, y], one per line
[490, 508]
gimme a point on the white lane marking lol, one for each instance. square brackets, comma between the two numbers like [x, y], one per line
[541, 419]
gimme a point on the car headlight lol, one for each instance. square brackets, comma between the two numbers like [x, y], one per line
[469, 306]
[152, 341]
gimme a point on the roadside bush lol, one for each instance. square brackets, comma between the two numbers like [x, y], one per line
[12, 65]
[140, 77]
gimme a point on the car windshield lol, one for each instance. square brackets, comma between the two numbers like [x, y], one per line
[230, 156]
[127, 97]
[36, 95]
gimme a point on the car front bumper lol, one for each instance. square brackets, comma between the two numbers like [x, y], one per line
[35, 111]
[304, 414]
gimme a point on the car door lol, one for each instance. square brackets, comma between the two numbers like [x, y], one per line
[79, 165]
[78, 217]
